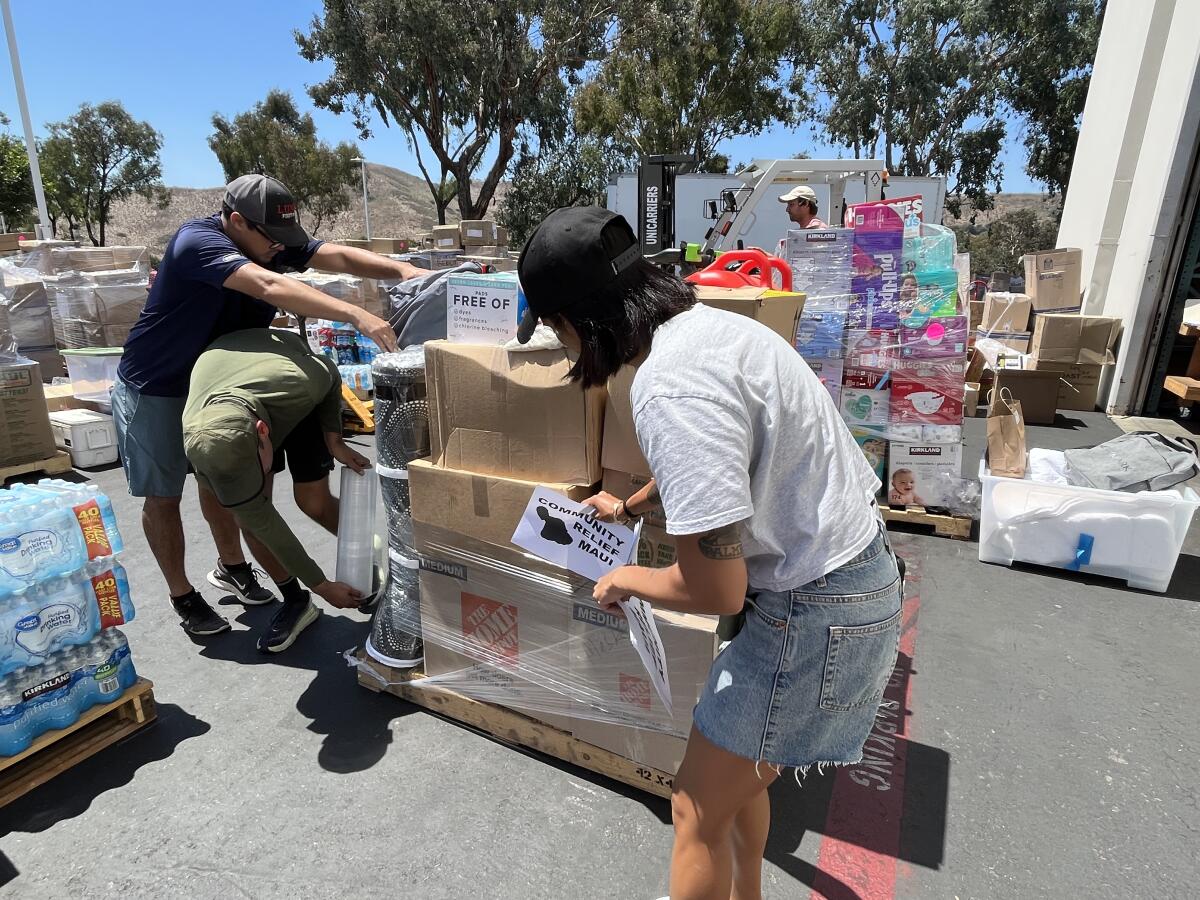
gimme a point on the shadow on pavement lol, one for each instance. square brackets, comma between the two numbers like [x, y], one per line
[356, 722]
[8, 872]
[1185, 581]
[71, 793]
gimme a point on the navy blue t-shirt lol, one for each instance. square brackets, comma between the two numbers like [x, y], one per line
[188, 308]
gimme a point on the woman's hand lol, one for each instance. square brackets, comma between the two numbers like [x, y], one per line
[609, 590]
[605, 505]
[348, 456]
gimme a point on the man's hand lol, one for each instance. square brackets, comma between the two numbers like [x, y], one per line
[347, 455]
[376, 329]
[338, 594]
[605, 505]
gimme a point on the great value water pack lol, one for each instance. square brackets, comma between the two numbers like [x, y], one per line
[61, 612]
[57, 692]
[52, 529]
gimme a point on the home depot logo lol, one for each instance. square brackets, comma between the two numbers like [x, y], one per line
[634, 690]
[490, 629]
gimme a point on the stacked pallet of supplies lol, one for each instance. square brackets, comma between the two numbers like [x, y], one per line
[62, 592]
[366, 293]
[885, 332]
[25, 432]
[27, 316]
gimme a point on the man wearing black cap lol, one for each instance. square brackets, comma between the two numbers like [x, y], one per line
[218, 275]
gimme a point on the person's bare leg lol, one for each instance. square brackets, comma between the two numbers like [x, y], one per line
[713, 786]
[164, 533]
[224, 527]
[316, 502]
[749, 835]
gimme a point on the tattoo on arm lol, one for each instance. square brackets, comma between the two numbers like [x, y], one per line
[723, 543]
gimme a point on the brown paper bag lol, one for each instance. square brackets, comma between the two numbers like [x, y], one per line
[1006, 436]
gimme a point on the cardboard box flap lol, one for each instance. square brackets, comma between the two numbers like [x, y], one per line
[1006, 312]
[1075, 340]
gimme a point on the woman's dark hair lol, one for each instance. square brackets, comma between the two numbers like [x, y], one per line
[617, 323]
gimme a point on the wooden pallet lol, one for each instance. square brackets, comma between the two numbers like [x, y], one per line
[511, 727]
[56, 751]
[361, 412]
[54, 465]
[956, 527]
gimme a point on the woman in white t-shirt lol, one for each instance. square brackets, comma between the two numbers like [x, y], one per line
[771, 504]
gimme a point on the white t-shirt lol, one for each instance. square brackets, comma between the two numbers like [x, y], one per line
[737, 428]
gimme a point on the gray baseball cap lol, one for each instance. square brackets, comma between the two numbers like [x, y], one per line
[267, 203]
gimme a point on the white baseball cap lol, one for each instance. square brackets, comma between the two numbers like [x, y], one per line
[799, 192]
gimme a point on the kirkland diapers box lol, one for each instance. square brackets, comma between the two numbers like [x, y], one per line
[513, 414]
[25, 433]
[482, 309]
[920, 474]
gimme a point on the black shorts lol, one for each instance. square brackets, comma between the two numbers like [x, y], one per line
[308, 459]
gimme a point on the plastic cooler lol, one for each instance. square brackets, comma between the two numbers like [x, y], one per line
[1134, 537]
[93, 371]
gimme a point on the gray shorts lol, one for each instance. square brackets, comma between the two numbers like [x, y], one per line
[150, 438]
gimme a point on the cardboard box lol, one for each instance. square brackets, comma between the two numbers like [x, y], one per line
[445, 237]
[25, 433]
[477, 232]
[830, 372]
[974, 314]
[1017, 342]
[96, 259]
[512, 414]
[602, 656]
[483, 508]
[10, 241]
[821, 334]
[1072, 340]
[390, 245]
[1006, 312]
[1053, 279]
[1037, 391]
[939, 338]
[925, 397]
[922, 474]
[971, 400]
[361, 245]
[1078, 386]
[778, 310]
[621, 450]
[482, 309]
[625, 485]
[501, 236]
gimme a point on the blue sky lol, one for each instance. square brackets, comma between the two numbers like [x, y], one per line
[174, 64]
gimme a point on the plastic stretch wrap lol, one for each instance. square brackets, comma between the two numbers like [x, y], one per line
[884, 330]
[401, 436]
[504, 627]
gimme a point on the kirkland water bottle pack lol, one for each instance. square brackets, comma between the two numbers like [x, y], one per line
[54, 694]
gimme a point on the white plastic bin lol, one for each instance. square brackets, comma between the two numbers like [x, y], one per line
[89, 436]
[93, 372]
[1134, 537]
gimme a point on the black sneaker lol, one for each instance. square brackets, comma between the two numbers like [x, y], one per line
[242, 584]
[293, 617]
[197, 616]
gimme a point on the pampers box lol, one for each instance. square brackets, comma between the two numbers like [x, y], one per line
[922, 474]
[483, 309]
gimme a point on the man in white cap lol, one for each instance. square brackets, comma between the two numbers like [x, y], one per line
[221, 274]
[802, 206]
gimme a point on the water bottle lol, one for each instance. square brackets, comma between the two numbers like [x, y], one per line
[16, 732]
[76, 495]
[356, 529]
[61, 612]
[106, 669]
[39, 538]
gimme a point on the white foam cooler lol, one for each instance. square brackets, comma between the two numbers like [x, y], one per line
[89, 436]
[1134, 537]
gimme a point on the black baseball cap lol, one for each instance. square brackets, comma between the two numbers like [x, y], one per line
[267, 203]
[573, 254]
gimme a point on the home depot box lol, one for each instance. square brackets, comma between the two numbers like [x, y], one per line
[1078, 386]
[444, 237]
[621, 450]
[1073, 340]
[25, 434]
[513, 414]
[778, 310]
[1053, 279]
[483, 508]
[477, 232]
[602, 656]
[1037, 391]
[624, 485]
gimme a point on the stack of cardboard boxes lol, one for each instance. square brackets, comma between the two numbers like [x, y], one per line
[25, 433]
[505, 627]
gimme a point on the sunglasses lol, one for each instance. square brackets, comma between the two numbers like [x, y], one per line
[263, 232]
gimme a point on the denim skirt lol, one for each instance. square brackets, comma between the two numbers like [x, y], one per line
[801, 682]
